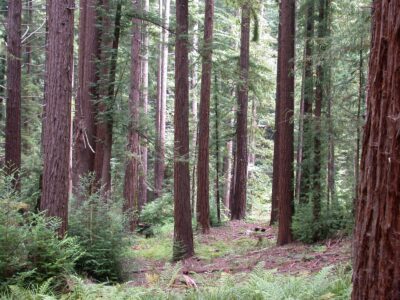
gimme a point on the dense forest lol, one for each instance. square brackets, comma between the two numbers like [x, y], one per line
[216, 149]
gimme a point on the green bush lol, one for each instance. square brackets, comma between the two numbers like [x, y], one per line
[30, 250]
[332, 221]
[159, 211]
[99, 226]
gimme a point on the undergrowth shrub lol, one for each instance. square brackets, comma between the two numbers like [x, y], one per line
[99, 226]
[159, 211]
[332, 221]
[30, 250]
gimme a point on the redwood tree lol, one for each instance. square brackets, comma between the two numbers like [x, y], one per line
[57, 121]
[240, 190]
[203, 184]
[87, 92]
[377, 241]
[13, 104]
[286, 107]
[131, 182]
[183, 233]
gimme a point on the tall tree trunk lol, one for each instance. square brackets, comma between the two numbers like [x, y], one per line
[203, 183]
[161, 106]
[376, 272]
[106, 171]
[102, 125]
[131, 182]
[57, 122]
[286, 100]
[87, 93]
[183, 234]
[240, 194]
[320, 98]
[275, 162]
[13, 107]
[144, 98]
[217, 154]
[305, 163]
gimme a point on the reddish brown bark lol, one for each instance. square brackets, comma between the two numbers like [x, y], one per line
[13, 104]
[239, 197]
[57, 123]
[131, 182]
[87, 93]
[377, 241]
[203, 184]
[183, 233]
[161, 104]
[286, 107]
[103, 116]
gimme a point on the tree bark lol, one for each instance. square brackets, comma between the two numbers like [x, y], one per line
[87, 92]
[203, 183]
[183, 234]
[161, 105]
[131, 182]
[13, 104]
[57, 122]
[240, 193]
[286, 100]
[103, 114]
[28, 49]
[3, 63]
[376, 272]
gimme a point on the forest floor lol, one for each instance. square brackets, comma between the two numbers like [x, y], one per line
[235, 248]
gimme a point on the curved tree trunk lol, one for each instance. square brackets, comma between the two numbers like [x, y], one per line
[203, 184]
[376, 272]
[13, 104]
[183, 233]
[57, 123]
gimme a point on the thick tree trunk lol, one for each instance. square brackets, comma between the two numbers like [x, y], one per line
[3, 62]
[87, 93]
[286, 100]
[183, 234]
[203, 183]
[376, 272]
[144, 98]
[13, 105]
[161, 105]
[305, 163]
[57, 123]
[131, 182]
[240, 193]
